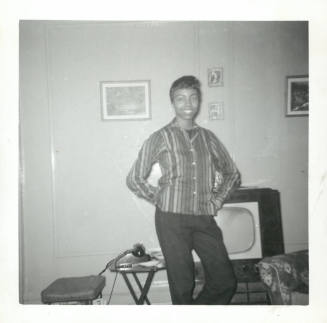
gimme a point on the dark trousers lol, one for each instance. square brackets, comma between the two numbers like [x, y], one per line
[178, 235]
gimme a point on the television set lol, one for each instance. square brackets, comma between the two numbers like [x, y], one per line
[250, 221]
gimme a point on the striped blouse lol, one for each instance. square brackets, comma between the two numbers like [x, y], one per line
[188, 164]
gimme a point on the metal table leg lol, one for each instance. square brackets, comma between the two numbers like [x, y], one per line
[144, 289]
[130, 287]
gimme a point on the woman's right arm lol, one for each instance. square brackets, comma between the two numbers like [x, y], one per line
[137, 177]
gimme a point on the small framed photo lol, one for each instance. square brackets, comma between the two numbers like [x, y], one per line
[125, 100]
[297, 102]
[216, 110]
[215, 76]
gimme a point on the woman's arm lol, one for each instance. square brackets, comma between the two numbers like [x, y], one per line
[230, 176]
[137, 177]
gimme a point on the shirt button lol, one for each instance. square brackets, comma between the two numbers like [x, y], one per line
[194, 193]
[194, 177]
[194, 163]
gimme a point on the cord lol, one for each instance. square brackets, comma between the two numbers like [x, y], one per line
[107, 266]
[112, 288]
[114, 262]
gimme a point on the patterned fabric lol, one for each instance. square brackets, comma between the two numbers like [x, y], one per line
[286, 276]
[188, 165]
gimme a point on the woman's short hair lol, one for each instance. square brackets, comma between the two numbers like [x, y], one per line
[185, 82]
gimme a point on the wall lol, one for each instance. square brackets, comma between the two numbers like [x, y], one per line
[76, 210]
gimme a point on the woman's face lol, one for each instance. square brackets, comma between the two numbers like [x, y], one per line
[186, 103]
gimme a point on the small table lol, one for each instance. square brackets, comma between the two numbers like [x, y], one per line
[133, 271]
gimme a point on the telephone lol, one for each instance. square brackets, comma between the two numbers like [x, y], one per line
[131, 256]
[127, 258]
[138, 250]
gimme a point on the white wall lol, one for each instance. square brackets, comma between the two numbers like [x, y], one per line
[77, 212]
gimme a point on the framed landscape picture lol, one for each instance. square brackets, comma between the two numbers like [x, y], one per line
[297, 102]
[125, 100]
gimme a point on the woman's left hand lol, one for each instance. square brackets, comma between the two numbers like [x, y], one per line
[217, 203]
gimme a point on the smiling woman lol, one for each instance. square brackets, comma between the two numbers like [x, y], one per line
[189, 157]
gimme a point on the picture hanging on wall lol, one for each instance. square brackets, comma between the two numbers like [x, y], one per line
[216, 110]
[297, 90]
[125, 100]
[215, 76]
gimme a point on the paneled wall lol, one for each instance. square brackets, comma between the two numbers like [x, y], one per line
[77, 212]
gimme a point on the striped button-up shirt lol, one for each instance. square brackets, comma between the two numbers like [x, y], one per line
[188, 164]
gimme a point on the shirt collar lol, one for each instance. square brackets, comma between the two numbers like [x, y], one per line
[174, 123]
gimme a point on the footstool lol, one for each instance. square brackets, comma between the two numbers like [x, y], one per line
[74, 290]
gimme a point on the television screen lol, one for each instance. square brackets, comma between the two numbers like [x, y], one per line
[240, 225]
[238, 228]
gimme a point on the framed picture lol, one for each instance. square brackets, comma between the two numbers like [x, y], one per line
[297, 90]
[125, 100]
[215, 76]
[216, 110]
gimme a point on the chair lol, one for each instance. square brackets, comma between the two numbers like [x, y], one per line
[286, 278]
[74, 290]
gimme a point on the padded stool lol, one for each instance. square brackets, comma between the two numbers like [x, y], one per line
[74, 290]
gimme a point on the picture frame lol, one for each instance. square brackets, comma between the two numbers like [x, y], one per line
[215, 76]
[216, 110]
[297, 96]
[125, 100]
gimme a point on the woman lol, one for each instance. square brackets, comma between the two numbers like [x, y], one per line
[190, 158]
